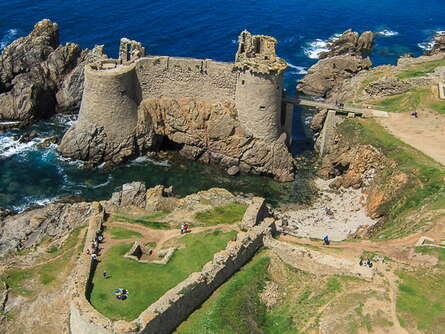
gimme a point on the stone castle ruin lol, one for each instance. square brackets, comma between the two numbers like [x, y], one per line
[230, 114]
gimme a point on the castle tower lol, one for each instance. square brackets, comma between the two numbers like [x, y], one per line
[258, 93]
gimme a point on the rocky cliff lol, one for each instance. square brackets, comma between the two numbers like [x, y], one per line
[347, 56]
[206, 132]
[39, 77]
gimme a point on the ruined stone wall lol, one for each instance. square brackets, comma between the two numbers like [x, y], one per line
[205, 80]
[177, 304]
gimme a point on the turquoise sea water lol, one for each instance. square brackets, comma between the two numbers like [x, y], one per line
[203, 29]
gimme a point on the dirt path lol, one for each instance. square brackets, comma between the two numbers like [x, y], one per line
[425, 133]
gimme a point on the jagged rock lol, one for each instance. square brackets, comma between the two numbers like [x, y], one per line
[38, 76]
[232, 171]
[350, 43]
[210, 133]
[29, 228]
[48, 141]
[27, 137]
[438, 42]
[318, 120]
[329, 73]
[345, 58]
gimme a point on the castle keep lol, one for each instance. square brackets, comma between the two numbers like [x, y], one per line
[129, 104]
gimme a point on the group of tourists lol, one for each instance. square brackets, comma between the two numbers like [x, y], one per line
[184, 228]
[366, 263]
[121, 294]
[94, 252]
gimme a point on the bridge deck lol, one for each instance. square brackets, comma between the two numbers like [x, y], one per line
[365, 112]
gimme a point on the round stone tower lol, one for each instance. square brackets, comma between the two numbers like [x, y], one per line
[259, 87]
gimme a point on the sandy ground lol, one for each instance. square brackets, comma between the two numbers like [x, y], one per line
[346, 214]
[426, 133]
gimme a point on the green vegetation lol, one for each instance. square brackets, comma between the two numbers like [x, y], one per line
[434, 251]
[120, 233]
[424, 185]
[414, 99]
[408, 101]
[420, 70]
[236, 307]
[147, 282]
[421, 300]
[227, 214]
[150, 221]
[18, 280]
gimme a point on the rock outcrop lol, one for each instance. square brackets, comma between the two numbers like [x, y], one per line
[210, 133]
[29, 228]
[438, 45]
[39, 77]
[346, 57]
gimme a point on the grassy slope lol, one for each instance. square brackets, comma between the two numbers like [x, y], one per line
[420, 70]
[227, 214]
[425, 187]
[147, 282]
[414, 99]
[236, 307]
[55, 263]
[421, 297]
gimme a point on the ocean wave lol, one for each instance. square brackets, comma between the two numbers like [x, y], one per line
[8, 37]
[10, 146]
[387, 33]
[301, 70]
[144, 159]
[32, 201]
[428, 45]
[110, 177]
[316, 47]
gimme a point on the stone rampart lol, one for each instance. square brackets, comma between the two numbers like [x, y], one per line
[255, 212]
[177, 304]
[205, 80]
[115, 89]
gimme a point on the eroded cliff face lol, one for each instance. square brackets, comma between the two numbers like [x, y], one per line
[39, 77]
[347, 56]
[206, 132]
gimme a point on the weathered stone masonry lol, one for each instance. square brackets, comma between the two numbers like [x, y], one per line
[175, 305]
[248, 91]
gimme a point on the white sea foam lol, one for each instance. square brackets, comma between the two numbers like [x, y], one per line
[387, 33]
[298, 69]
[8, 37]
[32, 201]
[105, 183]
[144, 159]
[10, 146]
[430, 44]
[316, 47]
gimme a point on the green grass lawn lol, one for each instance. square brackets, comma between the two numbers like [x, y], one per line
[420, 70]
[421, 299]
[119, 233]
[150, 221]
[147, 282]
[424, 188]
[227, 214]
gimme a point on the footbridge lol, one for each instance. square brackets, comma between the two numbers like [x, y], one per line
[355, 111]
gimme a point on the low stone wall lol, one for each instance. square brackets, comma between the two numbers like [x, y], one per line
[255, 213]
[177, 304]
